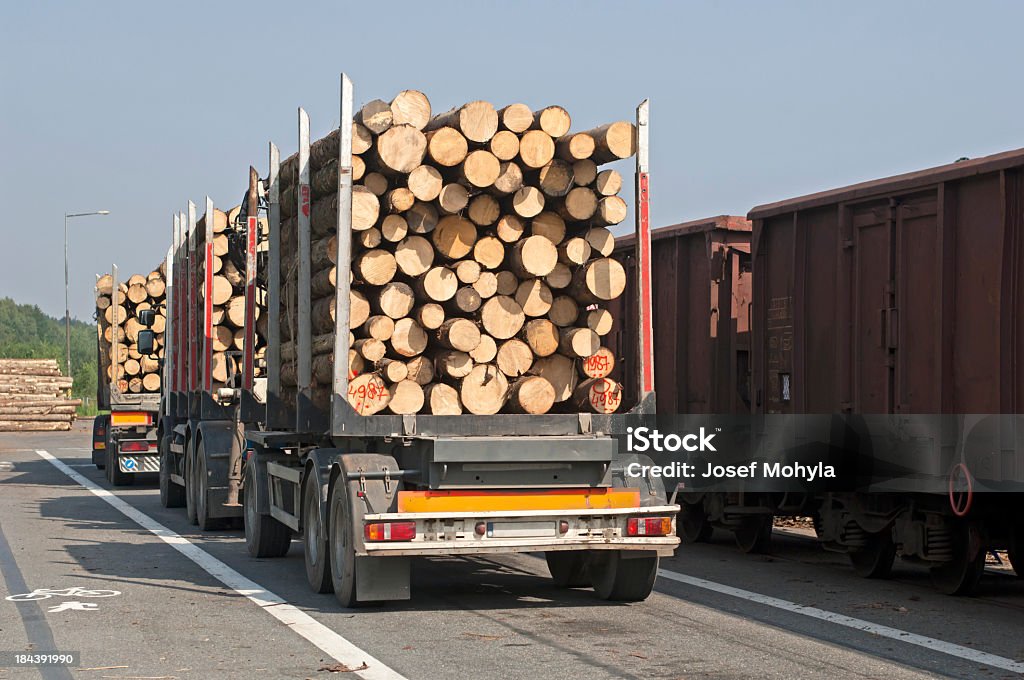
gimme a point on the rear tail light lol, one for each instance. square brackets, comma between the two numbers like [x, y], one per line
[134, 447]
[390, 531]
[649, 526]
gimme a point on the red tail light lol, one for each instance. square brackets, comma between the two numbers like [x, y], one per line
[134, 447]
[649, 526]
[390, 531]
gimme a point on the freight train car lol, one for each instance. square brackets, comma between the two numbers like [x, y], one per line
[899, 304]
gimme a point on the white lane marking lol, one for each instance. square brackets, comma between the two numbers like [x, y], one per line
[340, 649]
[933, 644]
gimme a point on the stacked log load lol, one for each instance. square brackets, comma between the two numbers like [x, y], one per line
[480, 260]
[33, 396]
[118, 326]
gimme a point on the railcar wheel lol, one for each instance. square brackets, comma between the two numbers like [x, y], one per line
[264, 535]
[314, 540]
[618, 578]
[692, 524]
[876, 558]
[961, 575]
[754, 534]
[568, 568]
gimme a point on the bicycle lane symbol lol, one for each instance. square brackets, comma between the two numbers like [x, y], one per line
[47, 593]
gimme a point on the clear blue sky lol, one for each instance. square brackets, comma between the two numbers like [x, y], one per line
[135, 107]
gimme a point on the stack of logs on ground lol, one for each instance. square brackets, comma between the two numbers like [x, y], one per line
[33, 396]
[480, 260]
[118, 326]
[228, 296]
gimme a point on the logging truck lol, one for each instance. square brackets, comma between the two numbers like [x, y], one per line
[413, 408]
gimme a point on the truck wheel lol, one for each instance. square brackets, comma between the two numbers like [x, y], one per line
[568, 568]
[876, 558]
[201, 484]
[341, 545]
[264, 535]
[693, 525]
[114, 474]
[1015, 552]
[754, 534]
[624, 580]
[962, 574]
[190, 487]
[314, 543]
[171, 495]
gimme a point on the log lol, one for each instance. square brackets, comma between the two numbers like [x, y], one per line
[118, 310]
[109, 332]
[151, 382]
[359, 308]
[223, 339]
[467, 300]
[430, 315]
[541, 336]
[502, 317]
[414, 256]
[221, 367]
[379, 327]
[102, 302]
[370, 349]
[454, 237]
[230, 272]
[406, 397]
[33, 426]
[554, 120]
[398, 200]
[578, 342]
[483, 391]
[322, 252]
[550, 226]
[584, 172]
[600, 364]
[425, 183]
[234, 311]
[421, 218]
[453, 198]
[365, 211]
[536, 149]
[515, 118]
[486, 285]
[575, 251]
[579, 204]
[105, 285]
[155, 288]
[489, 252]
[598, 281]
[442, 400]
[601, 241]
[375, 116]
[477, 121]
[575, 147]
[362, 140]
[446, 146]
[394, 228]
[510, 179]
[480, 169]
[370, 238]
[509, 228]
[555, 178]
[62, 410]
[376, 183]
[399, 149]
[38, 417]
[410, 107]
[608, 182]
[220, 245]
[421, 369]
[528, 202]
[375, 267]
[534, 297]
[459, 334]
[453, 364]
[558, 370]
[613, 142]
[392, 370]
[468, 271]
[367, 394]
[610, 210]
[132, 366]
[507, 283]
[396, 300]
[409, 338]
[504, 145]
[531, 394]
[564, 311]
[532, 256]
[600, 321]
[438, 284]
[484, 210]
[597, 395]
[514, 358]
[485, 351]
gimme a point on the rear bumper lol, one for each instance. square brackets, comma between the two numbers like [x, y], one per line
[454, 533]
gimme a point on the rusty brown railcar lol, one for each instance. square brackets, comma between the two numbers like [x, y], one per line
[701, 296]
[901, 296]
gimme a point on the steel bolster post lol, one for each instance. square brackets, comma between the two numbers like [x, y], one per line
[208, 298]
[274, 288]
[339, 398]
[114, 322]
[304, 346]
[192, 286]
[251, 233]
[643, 254]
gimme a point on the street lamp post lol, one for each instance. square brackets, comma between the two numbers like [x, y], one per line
[67, 305]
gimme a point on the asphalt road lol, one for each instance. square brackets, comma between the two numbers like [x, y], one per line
[195, 605]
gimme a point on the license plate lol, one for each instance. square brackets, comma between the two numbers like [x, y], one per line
[521, 529]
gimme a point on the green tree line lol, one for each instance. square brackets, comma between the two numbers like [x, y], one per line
[27, 333]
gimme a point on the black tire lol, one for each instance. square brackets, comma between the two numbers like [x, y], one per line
[876, 558]
[315, 547]
[568, 568]
[692, 524]
[99, 458]
[619, 579]
[754, 534]
[190, 487]
[114, 474]
[1015, 551]
[201, 484]
[341, 544]
[264, 535]
[962, 574]
[171, 495]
